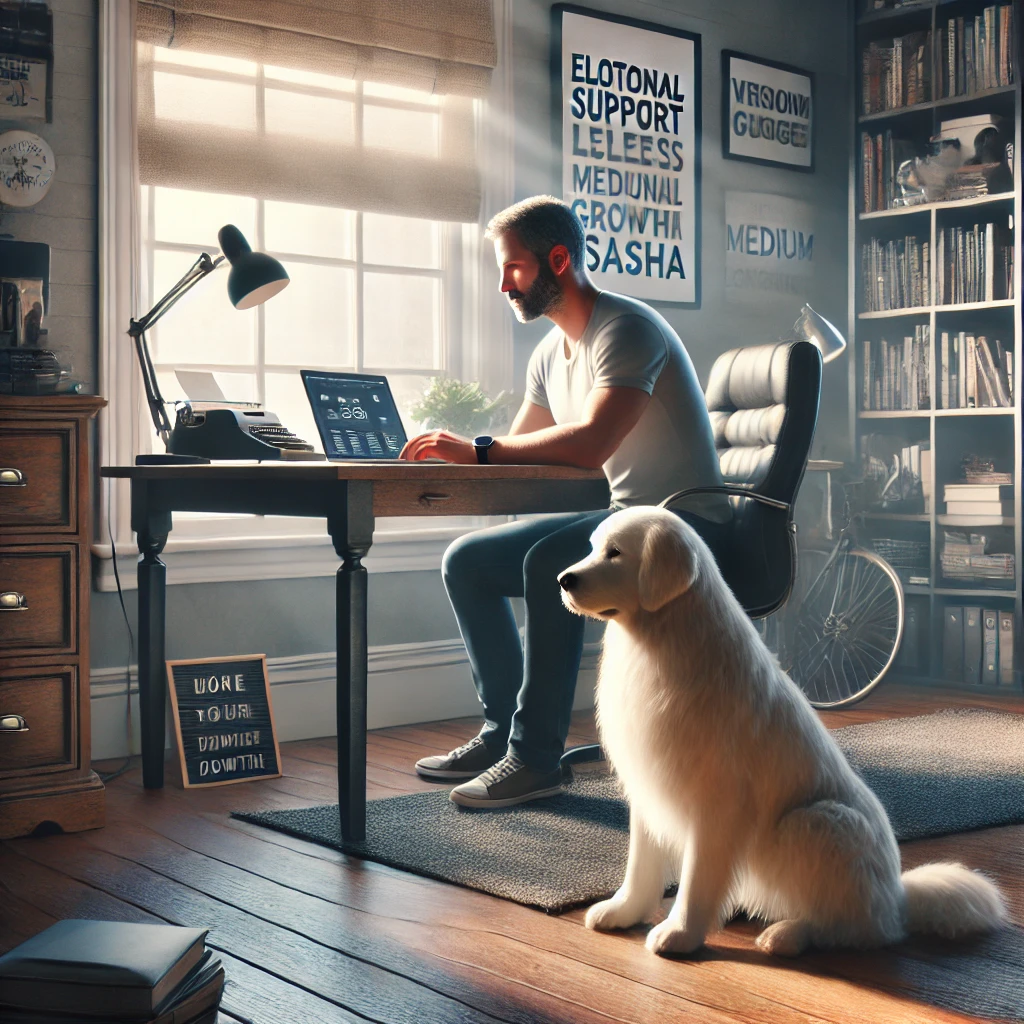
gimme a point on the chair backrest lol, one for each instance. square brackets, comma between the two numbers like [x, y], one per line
[763, 405]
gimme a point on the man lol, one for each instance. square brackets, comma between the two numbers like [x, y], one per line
[610, 386]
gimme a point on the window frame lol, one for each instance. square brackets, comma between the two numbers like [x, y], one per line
[476, 341]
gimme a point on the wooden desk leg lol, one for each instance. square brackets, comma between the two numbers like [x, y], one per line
[152, 530]
[351, 529]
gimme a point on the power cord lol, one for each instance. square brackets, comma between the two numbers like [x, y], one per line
[109, 776]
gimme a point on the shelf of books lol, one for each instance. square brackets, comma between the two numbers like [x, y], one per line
[935, 377]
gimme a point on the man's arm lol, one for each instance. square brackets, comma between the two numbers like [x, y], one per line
[531, 417]
[609, 414]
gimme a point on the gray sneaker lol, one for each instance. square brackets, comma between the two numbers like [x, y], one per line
[508, 782]
[465, 762]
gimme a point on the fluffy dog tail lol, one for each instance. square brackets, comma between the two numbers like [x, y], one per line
[951, 900]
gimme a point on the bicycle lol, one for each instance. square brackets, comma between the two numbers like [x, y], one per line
[838, 634]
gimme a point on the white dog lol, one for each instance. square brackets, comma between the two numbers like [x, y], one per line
[734, 785]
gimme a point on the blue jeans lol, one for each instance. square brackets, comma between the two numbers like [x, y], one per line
[526, 686]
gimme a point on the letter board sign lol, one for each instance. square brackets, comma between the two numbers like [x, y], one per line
[223, 720]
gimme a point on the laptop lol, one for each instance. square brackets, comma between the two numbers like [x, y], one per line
[355, 414]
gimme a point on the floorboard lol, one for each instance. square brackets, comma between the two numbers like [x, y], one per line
[309, 934]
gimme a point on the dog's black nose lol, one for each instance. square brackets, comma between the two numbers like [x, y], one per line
[568, 580]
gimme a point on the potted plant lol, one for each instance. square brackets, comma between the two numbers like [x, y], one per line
[458, 406]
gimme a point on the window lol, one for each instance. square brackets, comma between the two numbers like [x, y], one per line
[370, 292]
[373, 196]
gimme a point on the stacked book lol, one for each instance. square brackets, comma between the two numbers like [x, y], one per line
[974, 372]
[895, 374]
[975, 264]
[965, 557]
[898, 74]
[978, 504]
[976, 53]
[111, 972]
[895, 274]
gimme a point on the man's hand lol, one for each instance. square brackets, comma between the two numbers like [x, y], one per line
[440, 444]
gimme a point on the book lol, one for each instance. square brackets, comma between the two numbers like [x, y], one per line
[972, 645]
[975, 519]
[1006, 648]
[987, 477]
[989, 640]
[977, 492]
[993, 375]
[97, 968]
[979, 508]
[197, 1001]
[952, 642]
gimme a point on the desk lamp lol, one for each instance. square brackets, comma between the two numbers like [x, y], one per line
[254, 278]
[813, 327]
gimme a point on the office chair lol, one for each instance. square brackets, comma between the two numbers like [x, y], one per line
[763, 404]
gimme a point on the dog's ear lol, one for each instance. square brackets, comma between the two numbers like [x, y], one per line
[668, 567]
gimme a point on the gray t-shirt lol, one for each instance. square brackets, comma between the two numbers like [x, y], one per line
[628, 344]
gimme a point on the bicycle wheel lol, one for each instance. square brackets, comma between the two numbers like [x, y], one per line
[847, 629]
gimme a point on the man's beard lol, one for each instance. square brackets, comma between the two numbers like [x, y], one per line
[539, 299]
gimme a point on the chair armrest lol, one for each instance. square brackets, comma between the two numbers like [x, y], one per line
[732, 489]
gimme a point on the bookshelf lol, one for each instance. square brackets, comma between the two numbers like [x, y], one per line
[910, 252]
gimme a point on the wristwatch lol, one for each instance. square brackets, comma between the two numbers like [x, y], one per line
[481, 444]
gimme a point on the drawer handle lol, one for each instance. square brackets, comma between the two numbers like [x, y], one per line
[12, 723]
[12, 478]
[12, 601]
[430, 499]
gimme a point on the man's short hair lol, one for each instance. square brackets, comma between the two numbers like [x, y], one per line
[541, 223]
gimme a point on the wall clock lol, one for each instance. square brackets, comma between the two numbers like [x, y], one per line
[26, 168]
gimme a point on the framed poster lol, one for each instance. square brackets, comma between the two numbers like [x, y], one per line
[627, 127]
[767, 112]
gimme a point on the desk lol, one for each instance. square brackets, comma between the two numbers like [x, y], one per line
[349, 497]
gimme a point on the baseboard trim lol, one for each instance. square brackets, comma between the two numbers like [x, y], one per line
[407, 684]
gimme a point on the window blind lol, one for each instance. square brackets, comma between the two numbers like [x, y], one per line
[441, 48]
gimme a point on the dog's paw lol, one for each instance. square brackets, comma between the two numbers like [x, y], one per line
[611, 914]
[668, 937]
[784, 938]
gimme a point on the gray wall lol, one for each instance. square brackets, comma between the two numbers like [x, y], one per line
[66, 216]
[809, 34]
[296, 617]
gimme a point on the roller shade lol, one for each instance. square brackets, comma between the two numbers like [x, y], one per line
[180, 151]
[441, 46]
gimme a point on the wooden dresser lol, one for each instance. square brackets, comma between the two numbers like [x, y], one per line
[45, 512]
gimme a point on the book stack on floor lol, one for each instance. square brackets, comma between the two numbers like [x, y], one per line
[111, 972]
[977, 645]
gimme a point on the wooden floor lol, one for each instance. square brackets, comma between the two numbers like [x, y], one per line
[309, 935]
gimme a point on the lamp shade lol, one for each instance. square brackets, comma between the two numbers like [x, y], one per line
[813, 327]
[255, 276]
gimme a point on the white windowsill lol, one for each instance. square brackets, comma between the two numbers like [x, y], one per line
[234, 559]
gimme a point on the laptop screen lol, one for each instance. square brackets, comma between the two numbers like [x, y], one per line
[355, 414]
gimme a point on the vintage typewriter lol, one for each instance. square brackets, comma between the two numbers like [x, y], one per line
[235, 430]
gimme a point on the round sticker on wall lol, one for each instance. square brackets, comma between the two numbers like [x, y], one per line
[26, 168]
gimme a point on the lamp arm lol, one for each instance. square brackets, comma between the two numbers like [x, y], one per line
[137, 331]
[203, 266]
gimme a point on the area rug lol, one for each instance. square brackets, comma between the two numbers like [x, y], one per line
[951, 771]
